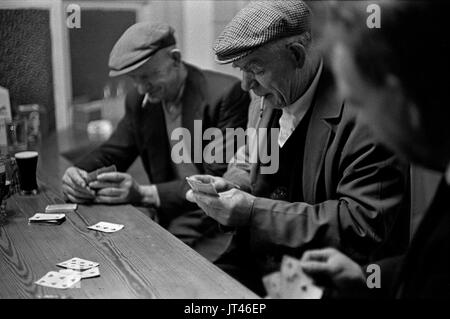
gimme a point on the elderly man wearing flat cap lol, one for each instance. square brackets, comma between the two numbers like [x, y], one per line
[335, 185]
[169, 94]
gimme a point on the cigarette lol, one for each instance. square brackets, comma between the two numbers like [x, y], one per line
[145, 100]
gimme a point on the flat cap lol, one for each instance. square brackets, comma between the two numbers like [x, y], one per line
[136, 46]
[259, 23]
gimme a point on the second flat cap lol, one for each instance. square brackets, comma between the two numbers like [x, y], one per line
[259, 23]
[137, 44]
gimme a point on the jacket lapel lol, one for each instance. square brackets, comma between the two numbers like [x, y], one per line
[326, 108]
[153, 127]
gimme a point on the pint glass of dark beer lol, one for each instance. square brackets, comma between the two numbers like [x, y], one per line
[27, 164]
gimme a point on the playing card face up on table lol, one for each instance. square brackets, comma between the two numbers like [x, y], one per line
[78, 264]
[61, 208]
[89, 273]
[106, 227]
[54, 279]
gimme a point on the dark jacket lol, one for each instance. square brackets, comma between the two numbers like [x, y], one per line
[424, 271]
[214, 98]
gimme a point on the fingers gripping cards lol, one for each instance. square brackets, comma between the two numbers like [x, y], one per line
[92, 176]
[200, 187]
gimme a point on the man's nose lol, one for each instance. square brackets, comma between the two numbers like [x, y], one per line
[248, 81]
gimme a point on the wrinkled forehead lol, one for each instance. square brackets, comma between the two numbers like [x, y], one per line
[259, 57]
[263, 56]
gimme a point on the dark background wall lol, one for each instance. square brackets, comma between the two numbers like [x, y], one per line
[90, 46]
[26, 59]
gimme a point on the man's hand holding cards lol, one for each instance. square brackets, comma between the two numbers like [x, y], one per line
[220, 200]
[112, 187]
[76, 183]
[202, 186]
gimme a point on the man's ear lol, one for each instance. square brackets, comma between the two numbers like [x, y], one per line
[175, 54]
[298, 52]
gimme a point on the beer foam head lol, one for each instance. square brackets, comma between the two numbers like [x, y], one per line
[26, 154]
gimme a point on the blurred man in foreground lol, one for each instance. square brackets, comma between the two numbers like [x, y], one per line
[398, 83]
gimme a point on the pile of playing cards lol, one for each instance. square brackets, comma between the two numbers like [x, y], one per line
[54, 214]
[51, 219]
[60, 208]
[70, 277]
[291, 282]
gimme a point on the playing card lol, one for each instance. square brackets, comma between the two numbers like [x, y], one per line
[47, 218]
[272, 284]
[57, 280]
[92, 176]
[308, 291]
[78, 264]
[61, 208]
[106, 227]
[90, 273]
[295, 283]
[70, 272]
[200, 187]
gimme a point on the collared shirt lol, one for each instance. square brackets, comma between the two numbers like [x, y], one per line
[294, 113]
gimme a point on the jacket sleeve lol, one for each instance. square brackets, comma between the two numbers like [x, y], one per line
[368, 196]
[232, 111]
[120, 149]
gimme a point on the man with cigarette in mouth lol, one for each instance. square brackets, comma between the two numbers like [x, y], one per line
[335, 185]
[168, 94]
